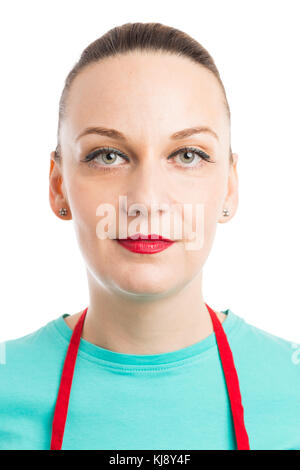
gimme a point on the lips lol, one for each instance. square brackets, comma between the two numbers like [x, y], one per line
[145, 244]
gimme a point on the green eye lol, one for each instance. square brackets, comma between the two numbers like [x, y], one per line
[191, 157]
[109, 157]
[105, 156]
[188, 158]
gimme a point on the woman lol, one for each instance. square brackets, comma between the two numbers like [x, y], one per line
[144, 132]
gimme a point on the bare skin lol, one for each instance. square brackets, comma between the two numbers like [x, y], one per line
[73, 319]
[144, 304]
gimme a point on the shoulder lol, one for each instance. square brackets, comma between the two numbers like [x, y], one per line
[27, 354]
[267, 343]
[30, 368]
[25, 342]
[266, 360]
[268, 368]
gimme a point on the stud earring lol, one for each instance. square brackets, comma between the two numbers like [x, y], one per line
[225, 212]
[63, 211]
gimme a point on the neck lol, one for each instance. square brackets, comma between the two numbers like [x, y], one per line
[135, 326]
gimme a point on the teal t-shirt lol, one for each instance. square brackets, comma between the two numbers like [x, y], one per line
[173, 400]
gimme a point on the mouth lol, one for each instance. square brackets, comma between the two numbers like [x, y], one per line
[145, 244]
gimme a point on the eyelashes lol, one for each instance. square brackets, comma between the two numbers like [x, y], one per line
[191, 163]
[202, 156]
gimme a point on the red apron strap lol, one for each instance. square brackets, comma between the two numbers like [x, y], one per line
[232, 382]
[62, 402]
[61, 408]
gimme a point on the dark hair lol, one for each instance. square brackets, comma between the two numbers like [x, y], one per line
[143, 37]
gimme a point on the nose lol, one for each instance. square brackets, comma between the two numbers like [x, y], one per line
[148, 192]
[148, 184]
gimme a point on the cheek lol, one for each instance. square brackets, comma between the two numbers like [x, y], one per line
[207, 199]
[84, 197]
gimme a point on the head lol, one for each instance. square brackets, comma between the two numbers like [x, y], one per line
[149, 82]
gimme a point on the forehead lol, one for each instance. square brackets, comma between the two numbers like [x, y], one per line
[140, 90]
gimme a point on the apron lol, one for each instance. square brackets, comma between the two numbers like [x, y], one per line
[231, 378]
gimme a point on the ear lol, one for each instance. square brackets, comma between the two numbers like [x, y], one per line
[232, 199]
[57, 197]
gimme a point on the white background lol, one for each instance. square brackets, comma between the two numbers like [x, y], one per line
[253, 268]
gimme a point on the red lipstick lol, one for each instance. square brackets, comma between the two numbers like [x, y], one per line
[145, 244]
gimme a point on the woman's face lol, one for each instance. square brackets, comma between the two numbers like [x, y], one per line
[148, 98]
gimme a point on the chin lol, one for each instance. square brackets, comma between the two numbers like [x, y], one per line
[143, 285]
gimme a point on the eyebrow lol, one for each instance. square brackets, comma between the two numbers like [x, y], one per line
[114, 134]
[194, 130]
